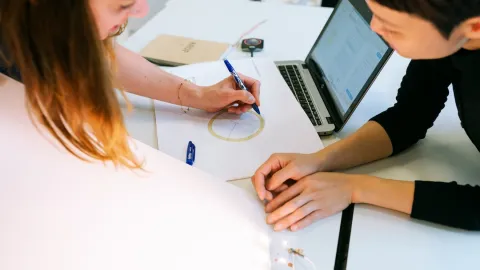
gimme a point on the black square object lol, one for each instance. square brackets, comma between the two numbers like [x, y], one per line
[329, 3]
[255, 44]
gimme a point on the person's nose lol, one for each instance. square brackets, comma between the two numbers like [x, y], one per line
[376, 26]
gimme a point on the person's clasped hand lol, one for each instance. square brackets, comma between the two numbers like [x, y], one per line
[226, 94]
[314, 195]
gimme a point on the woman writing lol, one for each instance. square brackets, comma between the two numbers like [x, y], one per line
[65, 55]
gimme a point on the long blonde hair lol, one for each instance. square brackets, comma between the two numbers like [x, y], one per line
[68, 76]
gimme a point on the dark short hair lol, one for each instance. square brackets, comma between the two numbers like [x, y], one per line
[445, 15]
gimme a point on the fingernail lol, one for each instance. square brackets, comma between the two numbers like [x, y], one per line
[294, 227]
[251, 99]
[277, 227]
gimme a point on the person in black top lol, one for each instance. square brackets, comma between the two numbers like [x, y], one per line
[443, 39]
[65, 54]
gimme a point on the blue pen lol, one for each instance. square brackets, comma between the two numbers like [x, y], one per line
[239, 82]
[190, 153]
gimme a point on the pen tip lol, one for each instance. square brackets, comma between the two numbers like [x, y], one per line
[256, 109]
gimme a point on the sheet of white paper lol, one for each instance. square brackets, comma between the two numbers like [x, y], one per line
[58, 212]
[231, 146]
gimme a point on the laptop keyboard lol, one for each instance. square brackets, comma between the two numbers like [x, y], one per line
[294, 80]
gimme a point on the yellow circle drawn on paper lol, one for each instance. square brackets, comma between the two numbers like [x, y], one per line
[243, 139]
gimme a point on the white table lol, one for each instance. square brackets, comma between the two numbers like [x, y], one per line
[380, 239]
[289, 33]
[226, 21]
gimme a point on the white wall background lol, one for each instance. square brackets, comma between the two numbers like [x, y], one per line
[155, 6]
[135, 23]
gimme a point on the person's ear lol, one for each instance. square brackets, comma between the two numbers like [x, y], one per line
[472, 28]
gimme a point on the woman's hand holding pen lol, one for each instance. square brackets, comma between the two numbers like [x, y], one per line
[226, 94]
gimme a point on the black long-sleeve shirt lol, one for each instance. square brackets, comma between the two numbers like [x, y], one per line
[421, 97]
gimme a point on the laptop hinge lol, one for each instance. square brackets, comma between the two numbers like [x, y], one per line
[329, 104]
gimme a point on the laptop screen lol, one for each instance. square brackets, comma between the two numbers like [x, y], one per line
[347, 53]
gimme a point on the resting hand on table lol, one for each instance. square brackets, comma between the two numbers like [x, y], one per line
[317, 193]
[271, 176]
[226, 93]
[311, 198]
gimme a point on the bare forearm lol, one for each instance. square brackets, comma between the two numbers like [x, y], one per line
[391, 194]
[368, 144]
[138, 76]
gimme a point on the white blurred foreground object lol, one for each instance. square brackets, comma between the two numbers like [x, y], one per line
[58, 212]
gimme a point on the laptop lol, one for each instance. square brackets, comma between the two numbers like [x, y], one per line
[339, 69]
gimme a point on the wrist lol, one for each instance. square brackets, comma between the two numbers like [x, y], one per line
[190, 95]
[361, 187]
[325, 161]
[391, 194]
